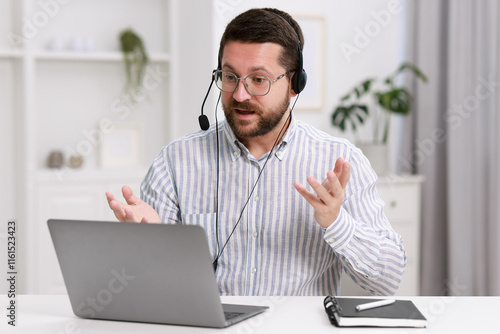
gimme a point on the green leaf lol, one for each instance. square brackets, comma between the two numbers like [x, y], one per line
[363, 108]
[366, 85]
[342, 124]
[345, 97]
[338, 117]
[415, 70]
[397, 100]
[353, 114]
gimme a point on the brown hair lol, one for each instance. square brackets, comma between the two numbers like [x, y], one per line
[263, 25]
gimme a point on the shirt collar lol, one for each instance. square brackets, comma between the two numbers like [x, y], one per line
[236, 146]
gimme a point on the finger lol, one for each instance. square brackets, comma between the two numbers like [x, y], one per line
[309, 197]
[129, 196]
[326, 184]
[321, 192]
[346, 174]
[110, 197]
[336, 188]
[338, 166]
[118, 209]
[337, 169]
[129, 215]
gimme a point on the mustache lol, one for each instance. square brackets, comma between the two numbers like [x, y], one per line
[242, 105]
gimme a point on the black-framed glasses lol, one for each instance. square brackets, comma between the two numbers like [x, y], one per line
[255, 84]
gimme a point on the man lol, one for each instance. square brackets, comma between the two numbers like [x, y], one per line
[236, 180]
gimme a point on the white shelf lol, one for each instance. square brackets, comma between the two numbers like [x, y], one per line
[89, 174]
[93, 56]
[7, 54]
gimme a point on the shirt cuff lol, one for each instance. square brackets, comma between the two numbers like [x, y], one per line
[341, 231]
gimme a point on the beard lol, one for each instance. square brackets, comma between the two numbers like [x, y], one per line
[268, 120]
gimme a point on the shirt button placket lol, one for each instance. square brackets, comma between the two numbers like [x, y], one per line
[253, 225]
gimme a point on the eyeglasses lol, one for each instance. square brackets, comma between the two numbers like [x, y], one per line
[255, 84]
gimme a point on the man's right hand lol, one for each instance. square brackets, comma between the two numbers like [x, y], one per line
[134, 211]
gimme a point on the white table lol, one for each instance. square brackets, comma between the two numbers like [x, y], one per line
[53, 314]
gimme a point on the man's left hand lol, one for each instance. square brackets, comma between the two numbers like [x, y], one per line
[329, 195]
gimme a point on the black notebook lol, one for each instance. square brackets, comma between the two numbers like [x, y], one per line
[403, 313]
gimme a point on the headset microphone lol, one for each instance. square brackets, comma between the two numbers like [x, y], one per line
[204, 123]
[203, 119]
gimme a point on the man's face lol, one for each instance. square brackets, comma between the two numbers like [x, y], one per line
[252, 116]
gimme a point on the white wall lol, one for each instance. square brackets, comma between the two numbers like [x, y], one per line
[193, 52]
[378, 56]
[198, 28]
[7, 161]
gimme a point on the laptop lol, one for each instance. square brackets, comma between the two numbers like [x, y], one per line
[153, 273]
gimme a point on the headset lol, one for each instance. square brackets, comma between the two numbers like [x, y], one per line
[299, 81]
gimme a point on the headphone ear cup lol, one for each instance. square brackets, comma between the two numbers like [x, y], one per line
[299, 81]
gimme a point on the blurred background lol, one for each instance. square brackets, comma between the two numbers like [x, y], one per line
[77, 119]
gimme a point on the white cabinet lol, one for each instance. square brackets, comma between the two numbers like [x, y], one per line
[402, 198]
[80, 196]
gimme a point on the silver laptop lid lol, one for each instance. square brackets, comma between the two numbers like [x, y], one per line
[155, 273]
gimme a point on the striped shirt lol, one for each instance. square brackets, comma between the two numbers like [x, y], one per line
[277, 248]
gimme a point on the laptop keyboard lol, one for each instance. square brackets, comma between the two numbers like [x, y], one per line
[231, 315]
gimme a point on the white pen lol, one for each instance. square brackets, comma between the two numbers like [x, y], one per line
[378, 303]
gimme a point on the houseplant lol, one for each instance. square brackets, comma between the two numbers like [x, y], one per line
[378, 101]
[136, 59]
